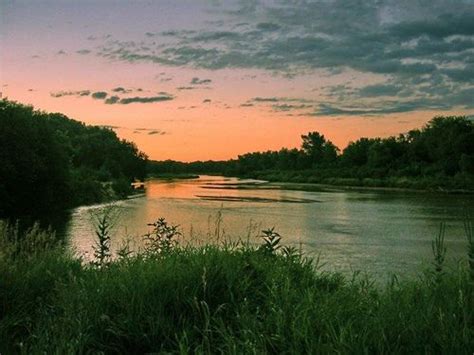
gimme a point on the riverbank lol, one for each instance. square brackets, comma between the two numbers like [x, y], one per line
[228, 299]
[171, 176]
[308, 181]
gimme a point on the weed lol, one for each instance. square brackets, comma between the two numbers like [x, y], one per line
[271, 241]
[439, 253]
[162, 239]
[104, 222]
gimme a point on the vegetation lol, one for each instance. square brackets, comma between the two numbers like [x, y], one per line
[48, 161]
[441, 154]
[220, 299]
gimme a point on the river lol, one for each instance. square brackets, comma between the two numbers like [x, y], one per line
[380, 232]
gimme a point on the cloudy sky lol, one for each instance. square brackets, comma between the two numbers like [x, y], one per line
[191, 79]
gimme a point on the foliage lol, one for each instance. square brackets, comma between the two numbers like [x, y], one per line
[104, 222]
[440, 155]
[162, 239]
[224, 299]
[271, 241]
[48, 161]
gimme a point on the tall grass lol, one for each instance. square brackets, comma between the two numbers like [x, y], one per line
[231, 298]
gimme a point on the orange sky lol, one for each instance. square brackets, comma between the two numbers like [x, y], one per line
[219, 87]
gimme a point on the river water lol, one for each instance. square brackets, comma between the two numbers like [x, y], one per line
[378, 232]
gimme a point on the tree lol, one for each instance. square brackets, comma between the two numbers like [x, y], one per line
[318, 149]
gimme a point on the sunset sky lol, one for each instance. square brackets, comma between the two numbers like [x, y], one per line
[191, 80]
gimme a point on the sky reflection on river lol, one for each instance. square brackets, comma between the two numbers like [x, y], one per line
[378, 232]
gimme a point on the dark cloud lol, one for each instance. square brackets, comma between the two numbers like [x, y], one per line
[379, 90]
[381, 108]
[149, 131]
[396, 41]
[197, 81]
[265, 99]
[99, 95]
[154, 132]
[289, 107]
[268, 26]
[61, 52]
[281, 104]
[206, 101]
[109, 126]
[83, 51]
[121, 89]
[280, 99]
[180, 88]
[440, 27]
[70, 93]
[137, 99]
[112, 100]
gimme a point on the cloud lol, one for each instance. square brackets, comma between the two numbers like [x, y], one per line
[268, 26]
[379, 90]
[77, 93]
[280, 99]
[397, 42]
[61, 52]
[206, 101]
[110, 127]
[112, 100]
[382, 108]
[121, 89]
[265, 99]
[99, 95]
[197, 81]
[149, 131]
[289, 107]
[154, 132]
[440, 27]
[281, 104]
[137, 99]
[83, 51]
[180, 88]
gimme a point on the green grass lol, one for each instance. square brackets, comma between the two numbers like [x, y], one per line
[221, 299]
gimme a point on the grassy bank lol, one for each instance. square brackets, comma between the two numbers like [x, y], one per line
[461, 183]
[219, 299]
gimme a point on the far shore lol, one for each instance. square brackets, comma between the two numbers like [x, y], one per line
[308, 186]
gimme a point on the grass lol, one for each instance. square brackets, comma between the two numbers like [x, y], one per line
[221, 299]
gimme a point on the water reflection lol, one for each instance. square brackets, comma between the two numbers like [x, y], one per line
[377, 231]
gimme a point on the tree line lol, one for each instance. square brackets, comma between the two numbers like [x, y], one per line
[50, 162]
[439, 154]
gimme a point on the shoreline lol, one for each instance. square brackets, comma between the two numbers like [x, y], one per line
[309, 186]
[319, 187]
